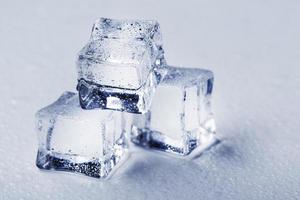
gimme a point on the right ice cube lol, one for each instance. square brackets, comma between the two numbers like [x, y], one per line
[180, 119]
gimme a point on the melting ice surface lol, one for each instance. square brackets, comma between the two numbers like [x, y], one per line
[180, 119]
[118, 67]
[72, 139]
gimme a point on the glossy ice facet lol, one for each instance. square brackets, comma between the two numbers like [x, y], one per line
[121, 61]
[72, 139]
[180, 119]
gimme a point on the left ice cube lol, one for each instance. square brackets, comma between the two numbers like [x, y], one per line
[91, 142]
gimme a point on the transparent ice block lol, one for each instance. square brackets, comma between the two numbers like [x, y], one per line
[118, 68]
[90, 142]
[180, 119]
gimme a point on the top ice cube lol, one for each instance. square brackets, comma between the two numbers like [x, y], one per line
[121, 53]
[121, 65]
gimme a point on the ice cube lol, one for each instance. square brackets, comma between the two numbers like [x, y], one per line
[180, 119]
[91, 142]
[120, 62]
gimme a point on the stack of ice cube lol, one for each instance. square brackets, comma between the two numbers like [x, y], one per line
[126, 91]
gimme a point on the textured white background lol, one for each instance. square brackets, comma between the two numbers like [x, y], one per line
[253, 49]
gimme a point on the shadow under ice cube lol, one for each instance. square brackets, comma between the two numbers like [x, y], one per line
[118, 67]
[180, 119]
[90, 142]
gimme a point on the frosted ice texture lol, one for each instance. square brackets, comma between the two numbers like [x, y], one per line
[118, 67]
[180, 119]
[72, 139]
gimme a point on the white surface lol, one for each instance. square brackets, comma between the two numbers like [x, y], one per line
[253, 49]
